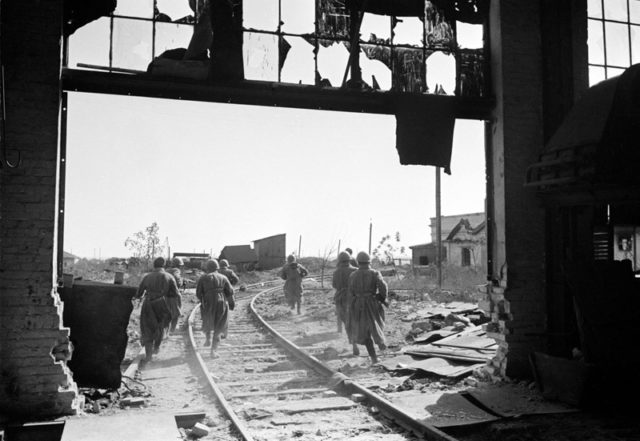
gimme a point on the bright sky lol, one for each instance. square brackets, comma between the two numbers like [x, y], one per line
[213, 175]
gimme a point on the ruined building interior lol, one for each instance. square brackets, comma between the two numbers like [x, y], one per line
[563, 206]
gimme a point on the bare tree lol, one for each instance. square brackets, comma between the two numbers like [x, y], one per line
[326, 256]
[145, 245]
[388, 248]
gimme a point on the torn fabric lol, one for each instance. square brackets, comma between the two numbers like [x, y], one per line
[424, 133]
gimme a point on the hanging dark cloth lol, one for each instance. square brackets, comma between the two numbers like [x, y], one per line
[424, 133]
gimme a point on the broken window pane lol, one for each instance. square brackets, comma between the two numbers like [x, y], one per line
[332, 62]
[408, 70]
[90, 44]
[172, 36]
[134, 8]
[375, 28]
[617, 42]
[438, 31]
[260, 53]
[333, 19]
[298, 16]
[471, 79]
[635, 44]
[132, 43]
[408, 31]
[469, 36]
[376, 72]
[260, 14]
[595, 42]
[441, 73]
[616, 10]
[596, 74]
[173, 10]
[299, 65]
[594, 8]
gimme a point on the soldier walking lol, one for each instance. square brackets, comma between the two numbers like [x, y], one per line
[175, 303]
[156, 287]
[342, 298]
[216, 297]
[366, 315]
[292, 272]
[226, 271]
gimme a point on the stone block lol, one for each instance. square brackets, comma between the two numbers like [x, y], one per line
[199, 430]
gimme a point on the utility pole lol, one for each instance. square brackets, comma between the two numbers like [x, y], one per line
[438, 231]
[370, 229]
[338, 246]
[299, 246]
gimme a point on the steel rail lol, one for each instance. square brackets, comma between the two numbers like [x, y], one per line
[390, 410]
[226, 407]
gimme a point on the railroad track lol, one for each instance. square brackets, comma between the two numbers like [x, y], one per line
[271, 389]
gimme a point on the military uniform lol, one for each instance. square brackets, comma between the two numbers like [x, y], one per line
[216, 296]
[293, 273]
[157, 287]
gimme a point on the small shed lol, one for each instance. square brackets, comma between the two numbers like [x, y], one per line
[242, 256]
[271, 251]
[68, 260]
[425, 254]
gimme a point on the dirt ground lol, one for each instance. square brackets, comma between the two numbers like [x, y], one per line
[171, 382]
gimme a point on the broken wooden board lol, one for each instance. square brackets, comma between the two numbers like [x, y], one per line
[512, 400]
[457, 354]
[470, 338]
[440, 409]
[398, 363]
[133, 426]
[312, 405]
[444, 368]
[436, 335]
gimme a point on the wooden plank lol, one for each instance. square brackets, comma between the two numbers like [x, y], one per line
[313, 405]
[444, 368]
[277, 393]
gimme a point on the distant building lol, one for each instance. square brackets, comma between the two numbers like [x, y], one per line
[464, 241]
[242, 256]
[271, 251]
[425, 254]
[68, 260]
[193, 260]
[448, 223]
[466, 244]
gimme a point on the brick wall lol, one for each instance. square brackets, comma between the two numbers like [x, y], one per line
[517, 139]
[33, 383]
[538, 52]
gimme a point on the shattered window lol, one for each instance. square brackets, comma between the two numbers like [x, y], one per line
[613, 37]
[412, 46]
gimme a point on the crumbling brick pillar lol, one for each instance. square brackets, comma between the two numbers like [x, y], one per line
[31, 331]
[518, 218]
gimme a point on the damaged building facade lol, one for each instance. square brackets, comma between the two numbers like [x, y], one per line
[531, 68]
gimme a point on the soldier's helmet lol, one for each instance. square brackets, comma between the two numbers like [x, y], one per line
[159, 262]
[344, 256]
[363, 257]
[224, 263]
[212, 265]
[291, 258]
[176, 262]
